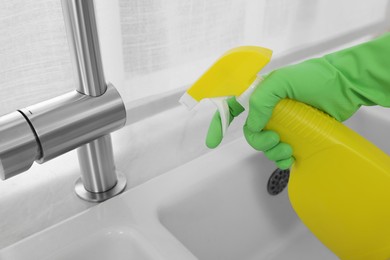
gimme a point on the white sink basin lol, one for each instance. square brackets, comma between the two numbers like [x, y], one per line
[215, 207]
[230, 215]
[115, 243]
[90, 235]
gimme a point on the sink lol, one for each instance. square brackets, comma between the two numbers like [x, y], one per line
[95, 234]
[230, 215]
[214, 207]
[117, 243]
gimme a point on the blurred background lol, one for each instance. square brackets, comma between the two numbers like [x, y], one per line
[154, 47]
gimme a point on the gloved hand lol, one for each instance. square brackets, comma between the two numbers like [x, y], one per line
[337, 84]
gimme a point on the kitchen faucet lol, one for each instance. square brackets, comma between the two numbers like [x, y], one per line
[82, 119]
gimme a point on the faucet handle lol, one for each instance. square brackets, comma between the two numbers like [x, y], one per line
[19, 147]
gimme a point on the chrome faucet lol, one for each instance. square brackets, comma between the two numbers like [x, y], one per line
[82, 119]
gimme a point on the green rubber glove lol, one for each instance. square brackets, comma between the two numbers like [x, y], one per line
[338, 84]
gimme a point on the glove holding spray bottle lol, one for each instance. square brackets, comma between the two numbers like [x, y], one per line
[340, 182]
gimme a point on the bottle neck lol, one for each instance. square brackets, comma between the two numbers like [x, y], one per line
[305, 128]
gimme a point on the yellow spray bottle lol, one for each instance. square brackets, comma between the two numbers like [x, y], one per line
[339, 184]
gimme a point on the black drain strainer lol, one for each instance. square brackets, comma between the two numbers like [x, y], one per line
[278, 181]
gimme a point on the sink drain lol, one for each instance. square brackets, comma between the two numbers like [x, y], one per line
[278, 181]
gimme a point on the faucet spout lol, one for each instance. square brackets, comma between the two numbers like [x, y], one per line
[53, 127]
[19, 147]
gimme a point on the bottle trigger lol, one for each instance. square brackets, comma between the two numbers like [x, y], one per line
[223, 108]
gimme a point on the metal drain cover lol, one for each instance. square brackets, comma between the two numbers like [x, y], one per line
[278, 181]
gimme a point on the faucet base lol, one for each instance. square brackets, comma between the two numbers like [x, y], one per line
[100, 196]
